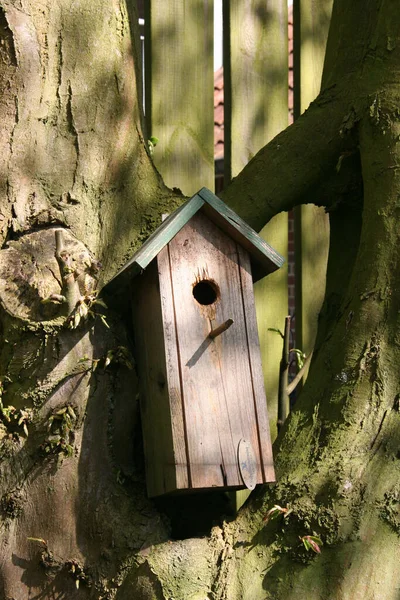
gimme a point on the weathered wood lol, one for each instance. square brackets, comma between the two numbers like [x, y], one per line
[257, 376]
[255, 73]
[265, 259]
[157, 241]
[220, 329]
[173, 368]
[216, 375]
[311, 23]
[154, 397]
[179, 102]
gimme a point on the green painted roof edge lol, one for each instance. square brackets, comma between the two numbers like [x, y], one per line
[242, 228]
[259, 250]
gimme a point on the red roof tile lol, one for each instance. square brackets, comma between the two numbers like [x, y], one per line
[219, 114]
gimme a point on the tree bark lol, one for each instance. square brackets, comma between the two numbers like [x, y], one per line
[74, 514]
[73, 159]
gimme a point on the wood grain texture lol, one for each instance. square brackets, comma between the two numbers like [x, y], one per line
[255, 73]
[260, 402]
[153, 376]
[216, 376]
[265, 259]
[179, 91]
[173, 370]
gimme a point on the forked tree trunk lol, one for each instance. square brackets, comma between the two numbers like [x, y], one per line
[73, 158]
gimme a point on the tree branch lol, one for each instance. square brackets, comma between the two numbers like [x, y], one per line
[70, 287]
[295, 166]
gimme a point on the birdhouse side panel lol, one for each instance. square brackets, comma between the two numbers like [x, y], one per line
[173, 369]
[152, 370]
[216, 375]
[260, 402]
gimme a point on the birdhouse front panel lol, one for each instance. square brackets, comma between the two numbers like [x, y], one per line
[219, 421]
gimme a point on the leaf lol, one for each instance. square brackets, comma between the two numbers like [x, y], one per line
[275, 511]
[83, 310]
[71, 412]
[312, 542]
[276, 331]
[77, 584]
[38, 540]
[300, 357]
[76, 320]
[25, 428]
[109, 358]
[104, 321]
[100, 302]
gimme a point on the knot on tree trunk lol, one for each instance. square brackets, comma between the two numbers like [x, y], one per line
[50, 264]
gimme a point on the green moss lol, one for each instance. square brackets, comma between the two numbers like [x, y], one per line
[11, 505]
[389, 509]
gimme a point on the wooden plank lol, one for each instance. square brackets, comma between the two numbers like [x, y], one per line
[154, 401]
[256, 109]
[179, 91]
[256, 77]
[311, 23]
[216, 377]
[260, 401]
[157, 240]
[256, 88]
[173, 383]
[266, 258]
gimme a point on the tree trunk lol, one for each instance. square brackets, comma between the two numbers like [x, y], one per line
[75, 518]
[73, 158]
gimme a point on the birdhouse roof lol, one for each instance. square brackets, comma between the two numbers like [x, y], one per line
[264, 258]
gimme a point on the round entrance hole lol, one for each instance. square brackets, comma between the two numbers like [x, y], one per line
[205, 292]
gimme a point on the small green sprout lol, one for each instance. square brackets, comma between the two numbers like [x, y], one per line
[84, 310]
[152, 143]
[25, 416]
[11, 416]
[7, 412]
[276, 511]
[312, 542]
[300, 357]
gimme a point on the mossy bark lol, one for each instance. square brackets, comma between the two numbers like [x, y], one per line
[73, 156]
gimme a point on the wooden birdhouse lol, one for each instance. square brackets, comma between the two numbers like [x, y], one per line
[203, 406]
